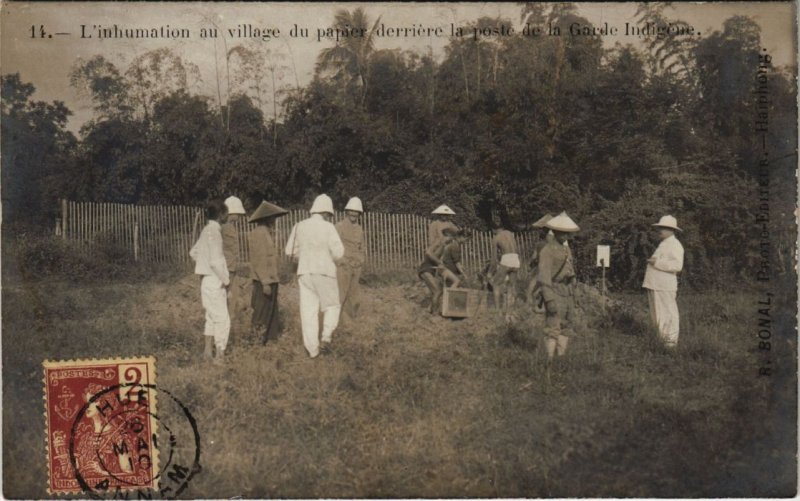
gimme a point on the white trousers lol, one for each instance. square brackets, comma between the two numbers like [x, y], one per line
[215, 301]
[664, 314]
[318, 293]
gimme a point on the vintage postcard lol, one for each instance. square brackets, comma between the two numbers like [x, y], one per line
[399, 250]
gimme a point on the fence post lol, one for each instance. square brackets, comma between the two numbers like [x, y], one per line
[64, 218]
[136, 240]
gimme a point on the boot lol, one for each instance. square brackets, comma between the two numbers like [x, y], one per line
[208, 352]
[219, 358]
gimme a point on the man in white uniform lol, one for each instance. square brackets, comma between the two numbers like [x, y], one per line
[661, 281]
[316, 245]
[210, 264]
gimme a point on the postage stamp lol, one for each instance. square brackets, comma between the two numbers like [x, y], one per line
[101, 425]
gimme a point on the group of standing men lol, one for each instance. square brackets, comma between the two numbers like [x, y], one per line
[329, 260]
[225, 278]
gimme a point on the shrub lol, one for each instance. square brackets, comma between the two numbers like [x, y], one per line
[32, 256]
[35, 256]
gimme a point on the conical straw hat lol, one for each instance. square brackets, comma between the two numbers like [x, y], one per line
[563, 223]
[543, 221]
[266, 210]
[443, 209]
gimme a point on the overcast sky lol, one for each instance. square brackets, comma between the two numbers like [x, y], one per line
[46, 62]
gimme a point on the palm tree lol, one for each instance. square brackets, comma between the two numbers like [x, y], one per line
[349, 58]
[670, 54]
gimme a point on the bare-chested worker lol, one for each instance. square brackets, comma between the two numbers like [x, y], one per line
[503, 280]
[429, 269]
[443, 218]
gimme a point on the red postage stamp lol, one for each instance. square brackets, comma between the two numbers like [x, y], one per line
[101, 425]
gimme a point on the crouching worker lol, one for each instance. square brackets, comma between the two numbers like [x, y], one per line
[452, 271]
[428, 271]
[556, 277]
[264, 269]
[316, 246]
[210, 264]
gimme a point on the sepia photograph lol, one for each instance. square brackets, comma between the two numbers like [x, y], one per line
[399, 250]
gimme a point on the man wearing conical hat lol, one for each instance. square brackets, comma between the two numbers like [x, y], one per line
[661, 281]
[533, 291]
[238, 271]
[556, 276]
[316, 246]
[348, 269]
[443, 218]
[264, 271]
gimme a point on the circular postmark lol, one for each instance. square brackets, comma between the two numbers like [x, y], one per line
[119, 443]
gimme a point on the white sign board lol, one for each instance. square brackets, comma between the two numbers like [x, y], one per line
[603, 255]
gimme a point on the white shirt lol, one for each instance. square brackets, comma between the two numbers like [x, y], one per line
[208, 255]
[662, 275]
[316, 243]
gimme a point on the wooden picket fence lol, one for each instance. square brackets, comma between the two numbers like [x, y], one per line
[164, 234]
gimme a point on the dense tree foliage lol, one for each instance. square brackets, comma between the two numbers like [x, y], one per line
[505, 128]
[36, 150]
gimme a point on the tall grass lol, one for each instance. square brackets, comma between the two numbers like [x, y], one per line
[411, 405]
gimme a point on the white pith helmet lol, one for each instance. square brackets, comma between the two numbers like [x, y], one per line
[322, 203]
[234, 205]
[354, 204]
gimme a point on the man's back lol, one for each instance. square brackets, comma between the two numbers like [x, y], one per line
[436, 230]
[352, 236]
[555, 267]
[317, 245]
[504, 240]
[207, 252]
[230, 245]
[263, 255]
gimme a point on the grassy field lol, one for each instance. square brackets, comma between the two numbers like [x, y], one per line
[410, 405]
